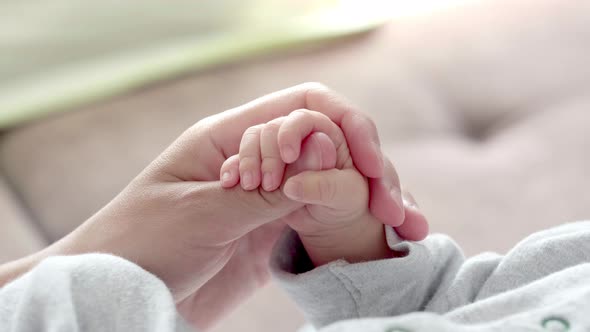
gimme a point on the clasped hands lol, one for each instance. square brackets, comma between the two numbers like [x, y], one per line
[210, 243]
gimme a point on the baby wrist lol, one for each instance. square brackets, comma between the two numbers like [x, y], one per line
[365, 241]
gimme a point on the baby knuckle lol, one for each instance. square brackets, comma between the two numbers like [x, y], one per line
[272, 126]
[248, 162]
[277, 121]
[326, 189]
[301, 114]
[270, 129]
[252, 131]
[271, 164]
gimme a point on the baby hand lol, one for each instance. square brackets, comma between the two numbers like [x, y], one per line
[335, 221]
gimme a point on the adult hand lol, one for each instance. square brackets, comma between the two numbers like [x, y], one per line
[211, 245]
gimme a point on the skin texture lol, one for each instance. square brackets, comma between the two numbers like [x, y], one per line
[210, 245]
[335, 222]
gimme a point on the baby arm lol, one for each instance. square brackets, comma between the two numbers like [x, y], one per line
[305, 155]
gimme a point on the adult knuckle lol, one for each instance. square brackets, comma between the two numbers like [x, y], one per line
[269, 201]
[370, 121]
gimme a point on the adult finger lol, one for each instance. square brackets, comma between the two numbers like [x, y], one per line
[363, 142]
[415, 225]
[386, 200]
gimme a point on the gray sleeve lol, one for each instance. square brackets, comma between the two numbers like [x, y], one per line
[93, 292]
[433, 276]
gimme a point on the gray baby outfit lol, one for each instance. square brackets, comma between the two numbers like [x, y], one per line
[543, 284]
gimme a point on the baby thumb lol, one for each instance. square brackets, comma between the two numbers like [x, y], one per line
[312, 179]
[251, 209]
[334, 188]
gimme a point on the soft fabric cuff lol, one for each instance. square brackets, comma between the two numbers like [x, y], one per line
[340, 290]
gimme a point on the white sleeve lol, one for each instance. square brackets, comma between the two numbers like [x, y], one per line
[92, 292]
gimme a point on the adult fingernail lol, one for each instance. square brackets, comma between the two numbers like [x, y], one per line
[293, 190]
[247, 180]
[380, 159]
[288, 153]
[267, 181]
[409, 200]
[396, 195]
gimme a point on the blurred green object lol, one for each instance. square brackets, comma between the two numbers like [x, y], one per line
[60, 54]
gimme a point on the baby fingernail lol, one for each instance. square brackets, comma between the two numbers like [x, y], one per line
[225, 177]
[293, 190]
[247, 180]
[288, 153]
[267, 181]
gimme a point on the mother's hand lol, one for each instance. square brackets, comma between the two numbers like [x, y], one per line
[211, 245]
[199, 153]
